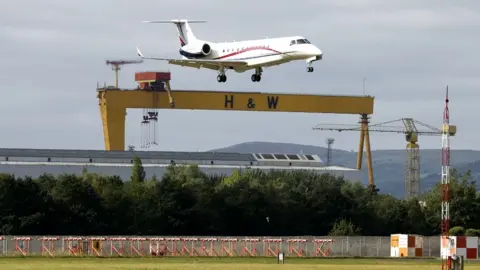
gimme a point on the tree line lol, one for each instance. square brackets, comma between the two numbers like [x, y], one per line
[186, 201]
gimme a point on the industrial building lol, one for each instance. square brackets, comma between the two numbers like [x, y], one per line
[35, 162]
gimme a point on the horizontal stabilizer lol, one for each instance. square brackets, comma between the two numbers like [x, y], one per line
[176, 21]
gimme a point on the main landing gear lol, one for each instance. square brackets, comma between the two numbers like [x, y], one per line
[221, 78]
[258, 75]
[309, 69]
[221, 75]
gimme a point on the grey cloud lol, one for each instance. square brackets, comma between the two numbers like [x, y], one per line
[53, 55]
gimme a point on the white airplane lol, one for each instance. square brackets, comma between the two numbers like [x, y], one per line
[239, 56]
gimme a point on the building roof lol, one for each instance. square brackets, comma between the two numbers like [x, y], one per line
[158, 155]
[164, 155]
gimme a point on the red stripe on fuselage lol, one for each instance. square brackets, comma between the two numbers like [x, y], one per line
[247, 50]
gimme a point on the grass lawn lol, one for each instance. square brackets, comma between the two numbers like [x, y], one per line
[8, 263]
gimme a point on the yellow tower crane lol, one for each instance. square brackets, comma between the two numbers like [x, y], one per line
[412, 129]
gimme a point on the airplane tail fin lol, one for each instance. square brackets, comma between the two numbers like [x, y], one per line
[185, 33]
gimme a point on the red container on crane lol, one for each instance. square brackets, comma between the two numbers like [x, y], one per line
[152, 80]
[152, 76]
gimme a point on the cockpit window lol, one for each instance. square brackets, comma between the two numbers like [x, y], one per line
[299, 41]
[303, 41]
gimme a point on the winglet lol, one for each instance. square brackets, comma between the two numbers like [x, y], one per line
[140, 53]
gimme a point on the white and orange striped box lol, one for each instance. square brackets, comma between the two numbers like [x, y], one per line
[406, 245]
[466, 246]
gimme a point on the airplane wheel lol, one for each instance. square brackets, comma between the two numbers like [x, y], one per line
[309, 69]
[256, 77]
[221, 78]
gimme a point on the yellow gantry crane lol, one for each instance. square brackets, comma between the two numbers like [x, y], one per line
[412, 129]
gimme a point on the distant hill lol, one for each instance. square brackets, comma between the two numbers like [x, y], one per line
[388, 165]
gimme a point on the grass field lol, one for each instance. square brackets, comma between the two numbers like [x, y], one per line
[219, 263]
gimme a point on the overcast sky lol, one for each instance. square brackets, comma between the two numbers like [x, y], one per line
[53, 54]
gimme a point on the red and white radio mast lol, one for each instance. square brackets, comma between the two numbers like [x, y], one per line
[445, 223]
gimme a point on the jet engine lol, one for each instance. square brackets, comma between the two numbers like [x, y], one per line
[206, 49]
[196, 50]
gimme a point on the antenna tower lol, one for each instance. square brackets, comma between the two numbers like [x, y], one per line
[329, 142]
[116, 66]
[445, 223]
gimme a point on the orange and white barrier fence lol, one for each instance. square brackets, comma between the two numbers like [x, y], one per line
[242, 246]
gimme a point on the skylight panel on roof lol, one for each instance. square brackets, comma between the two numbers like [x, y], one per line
[267, 156]
[293, 157]
[280, 156]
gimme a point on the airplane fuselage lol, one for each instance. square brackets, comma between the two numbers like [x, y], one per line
[257, 53]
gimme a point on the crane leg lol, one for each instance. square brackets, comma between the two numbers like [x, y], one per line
[171, 100]
[113, 120]
[360, 149]
[371, 181]
[365, 139]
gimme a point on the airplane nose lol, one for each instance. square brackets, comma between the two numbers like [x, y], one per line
[317, 52]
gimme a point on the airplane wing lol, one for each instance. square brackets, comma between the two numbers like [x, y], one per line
[198, 63]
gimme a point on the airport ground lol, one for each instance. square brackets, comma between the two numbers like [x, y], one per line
[7, 263]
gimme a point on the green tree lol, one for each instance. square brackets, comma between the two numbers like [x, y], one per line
[138, 172]
[472, 232]
[344, 228]
[457, 231]
[464, 203]
[249, 202]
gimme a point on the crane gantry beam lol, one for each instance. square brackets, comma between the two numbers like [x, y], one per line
[411, 128]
